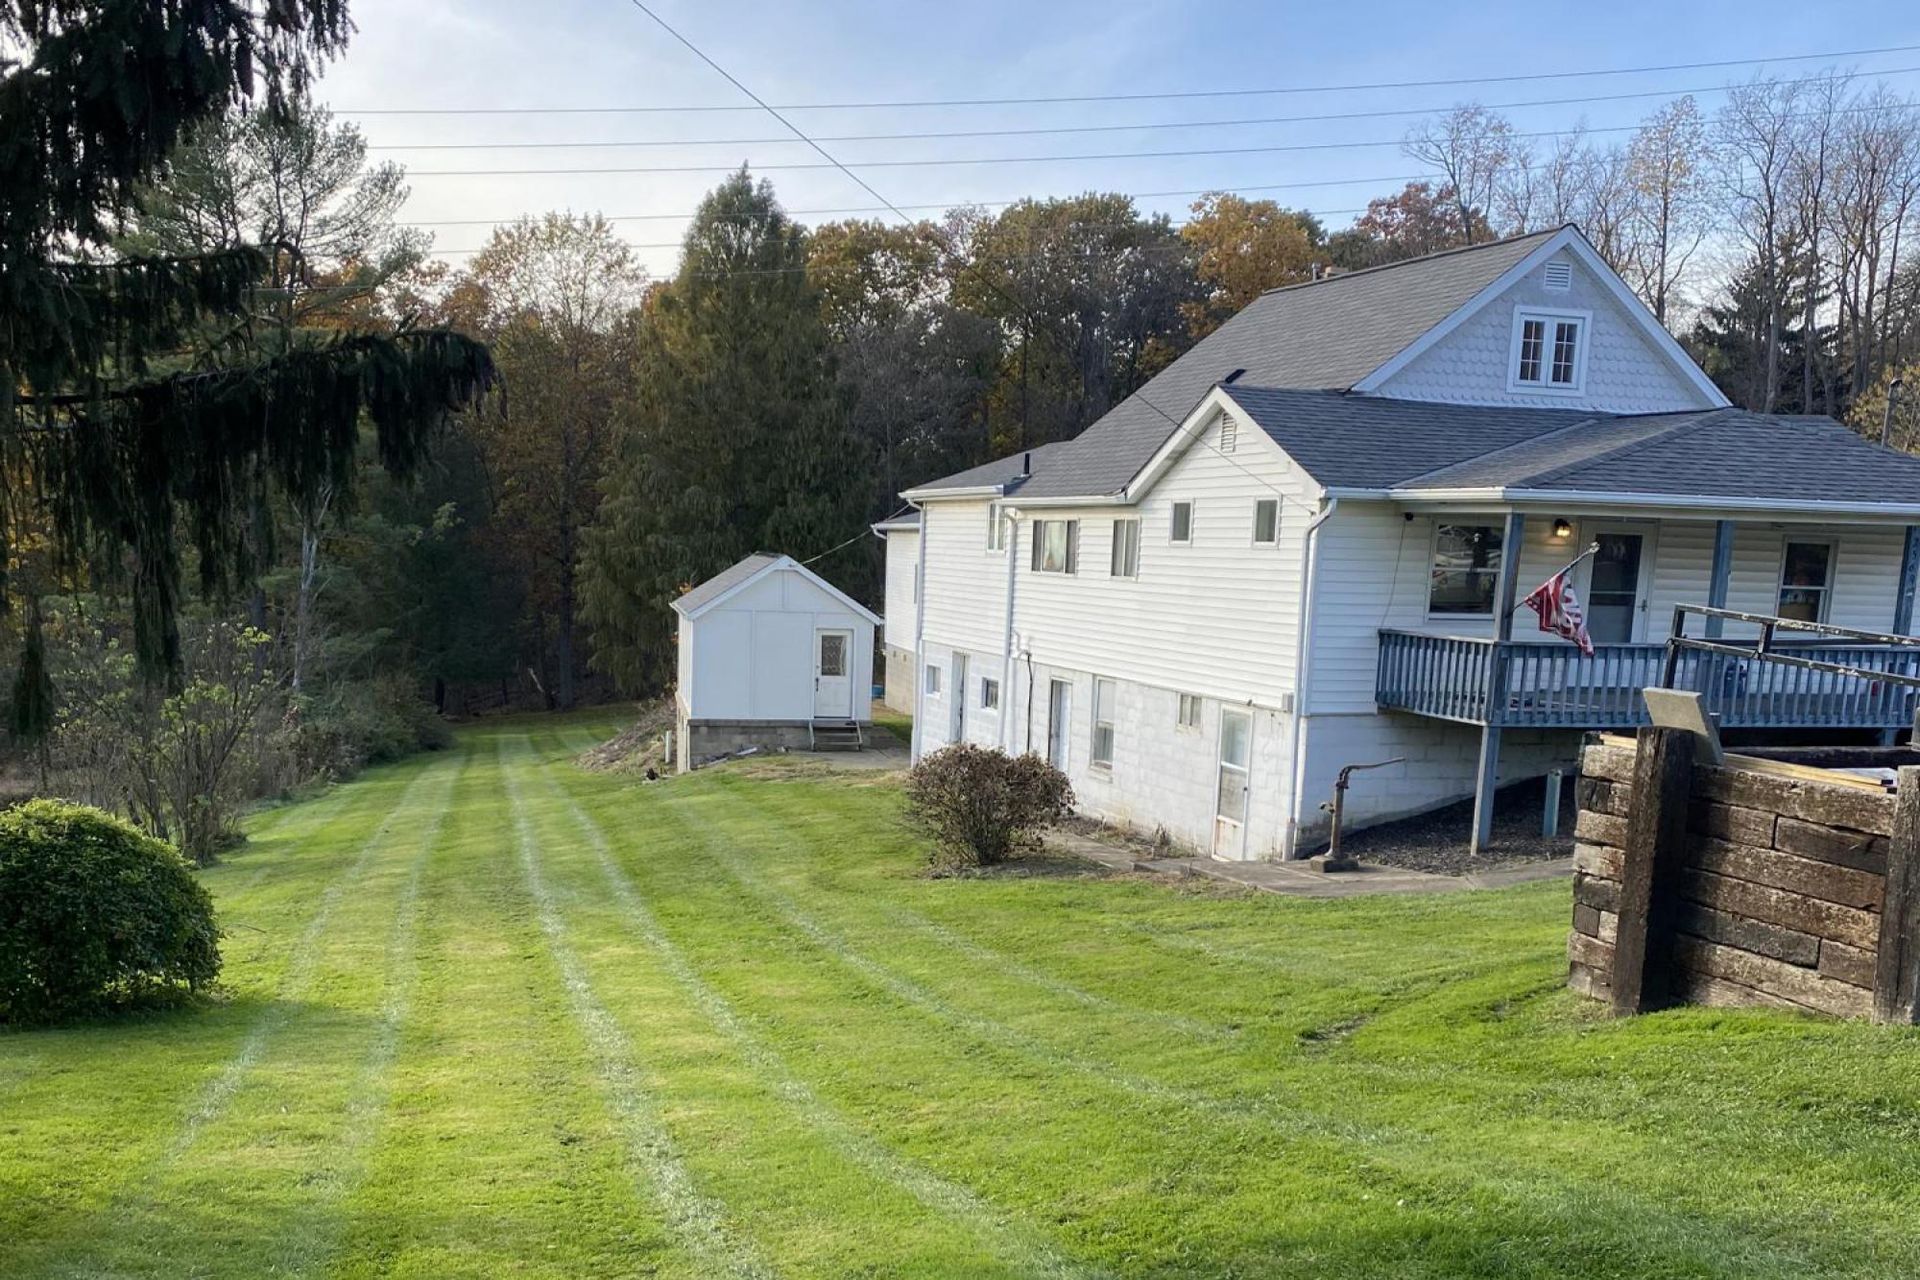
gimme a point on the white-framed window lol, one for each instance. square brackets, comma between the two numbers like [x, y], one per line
[1126, 549]
[1188, 716]
[1104, 697]
[1549, 350]
[1056, 545]
[1466, 570]
[933, 681]
[1806, 581]
[1180, 529]
[997, 527]
[1266, 522]
[989, 693]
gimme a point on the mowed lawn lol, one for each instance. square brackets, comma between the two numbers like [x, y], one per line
[488, 1015]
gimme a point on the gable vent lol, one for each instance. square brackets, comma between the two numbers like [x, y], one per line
[1229, 433]
[1559, 276]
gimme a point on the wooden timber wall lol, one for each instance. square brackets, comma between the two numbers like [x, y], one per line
[1752, 883]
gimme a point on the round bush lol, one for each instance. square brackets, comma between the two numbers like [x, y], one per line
[983, 806]
[95, 914]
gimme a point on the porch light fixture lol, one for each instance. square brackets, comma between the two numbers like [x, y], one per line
[1562, 529]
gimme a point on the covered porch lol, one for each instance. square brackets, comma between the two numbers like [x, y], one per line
[1477, 658]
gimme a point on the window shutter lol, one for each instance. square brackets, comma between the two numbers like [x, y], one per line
[1073, 546]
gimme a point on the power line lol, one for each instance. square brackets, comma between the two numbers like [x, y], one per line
[1149, 126]
[1124, 97]
[931, 162]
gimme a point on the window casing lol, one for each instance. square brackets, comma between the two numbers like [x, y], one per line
[989, 694]
[1549, 351]
[1104, 697]
[933, 681]
[1266, 522]
[1806, 581]
[1126, 549]
[1465, 571]
[1180, 531]
[1056, 545]
[1188, 715]
[997, 527]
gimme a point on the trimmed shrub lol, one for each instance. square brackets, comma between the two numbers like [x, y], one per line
[983, 806]
[95, 914]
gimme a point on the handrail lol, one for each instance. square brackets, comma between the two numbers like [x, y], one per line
[1764, 650]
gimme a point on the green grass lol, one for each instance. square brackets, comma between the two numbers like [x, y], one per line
[486, 1014]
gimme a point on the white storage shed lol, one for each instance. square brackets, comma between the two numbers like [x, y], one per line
[771, 655]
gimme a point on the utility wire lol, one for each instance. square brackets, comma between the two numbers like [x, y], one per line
[967, 266]
[931, 162]
[1165, 96]
[1149, 126]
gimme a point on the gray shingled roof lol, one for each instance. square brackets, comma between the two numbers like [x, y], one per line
[724, 581]
[1721, 453]
[1323, 334]
[1372, 442]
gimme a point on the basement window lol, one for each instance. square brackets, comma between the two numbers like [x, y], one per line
[1549, 351]
[933, 681]
[1188, 716]
[1466, 570]
[989, 694]
[1104, 697]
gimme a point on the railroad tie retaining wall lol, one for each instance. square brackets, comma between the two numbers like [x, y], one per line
[1769, 890]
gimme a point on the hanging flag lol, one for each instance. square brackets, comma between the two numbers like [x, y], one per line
[1559, 609]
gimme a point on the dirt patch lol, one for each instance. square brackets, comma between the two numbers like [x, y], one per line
[1437, 841]
[1143, 848]
[1039, 866]
[638, 747]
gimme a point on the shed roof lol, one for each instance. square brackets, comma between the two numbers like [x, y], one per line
[731, 579]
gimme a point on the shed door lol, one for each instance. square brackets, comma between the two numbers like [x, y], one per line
[832, 685]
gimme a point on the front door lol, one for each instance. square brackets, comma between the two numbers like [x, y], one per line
[959, 699]
[832, 684]
[1617, 586]
[1236, 759]
[1059, 722]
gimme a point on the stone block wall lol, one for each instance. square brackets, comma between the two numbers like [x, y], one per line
[1775, 895]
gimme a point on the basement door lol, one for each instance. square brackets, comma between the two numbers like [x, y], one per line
[957, 696]
[1059, 722]
[832, 686]
[1230, 808]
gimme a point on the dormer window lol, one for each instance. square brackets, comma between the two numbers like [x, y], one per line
[1549, 351]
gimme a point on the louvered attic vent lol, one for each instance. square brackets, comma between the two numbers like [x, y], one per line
[1559, 276]
[1229, 433]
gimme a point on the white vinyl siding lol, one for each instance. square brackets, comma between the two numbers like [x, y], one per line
[903, 587]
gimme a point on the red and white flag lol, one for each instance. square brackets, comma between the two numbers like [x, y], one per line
[1559, 609]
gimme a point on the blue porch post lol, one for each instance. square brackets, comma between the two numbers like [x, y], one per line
[1722, 571]
[1909, 578]
[1487, 779]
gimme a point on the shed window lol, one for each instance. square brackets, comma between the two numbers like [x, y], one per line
[1182, 530]
[1055, 545]
[1806, 581]
[933, 680]
[833, 653]
[1104, 697]
[1266, 521]
[1466, 568]
[1126, 548]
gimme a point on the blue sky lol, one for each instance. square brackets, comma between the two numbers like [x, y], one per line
[606, 53]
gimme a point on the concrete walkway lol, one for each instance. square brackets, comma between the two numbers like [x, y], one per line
[1297, 879]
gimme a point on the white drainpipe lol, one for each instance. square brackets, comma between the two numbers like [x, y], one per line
[1301, 670]
[1006, 646]
[919, 635]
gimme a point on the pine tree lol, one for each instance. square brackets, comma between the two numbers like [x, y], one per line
[738, 438]
[130, 425]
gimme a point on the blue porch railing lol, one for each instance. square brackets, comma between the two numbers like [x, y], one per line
[1528, 684]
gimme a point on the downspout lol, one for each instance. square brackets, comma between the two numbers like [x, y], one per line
[1301, 669]
[919, 635]
[1012, 518]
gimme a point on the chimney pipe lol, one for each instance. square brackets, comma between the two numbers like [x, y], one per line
[1886, 419]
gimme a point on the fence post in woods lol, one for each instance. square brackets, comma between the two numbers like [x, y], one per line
[1656, 836]
[1896, 976]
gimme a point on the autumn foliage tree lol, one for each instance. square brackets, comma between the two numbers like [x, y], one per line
[1242, 249]
[557, 297]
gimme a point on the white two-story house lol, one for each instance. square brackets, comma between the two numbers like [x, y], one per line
[1290, 552]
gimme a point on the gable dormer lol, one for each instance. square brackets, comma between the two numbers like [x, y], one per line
[1560, 331]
